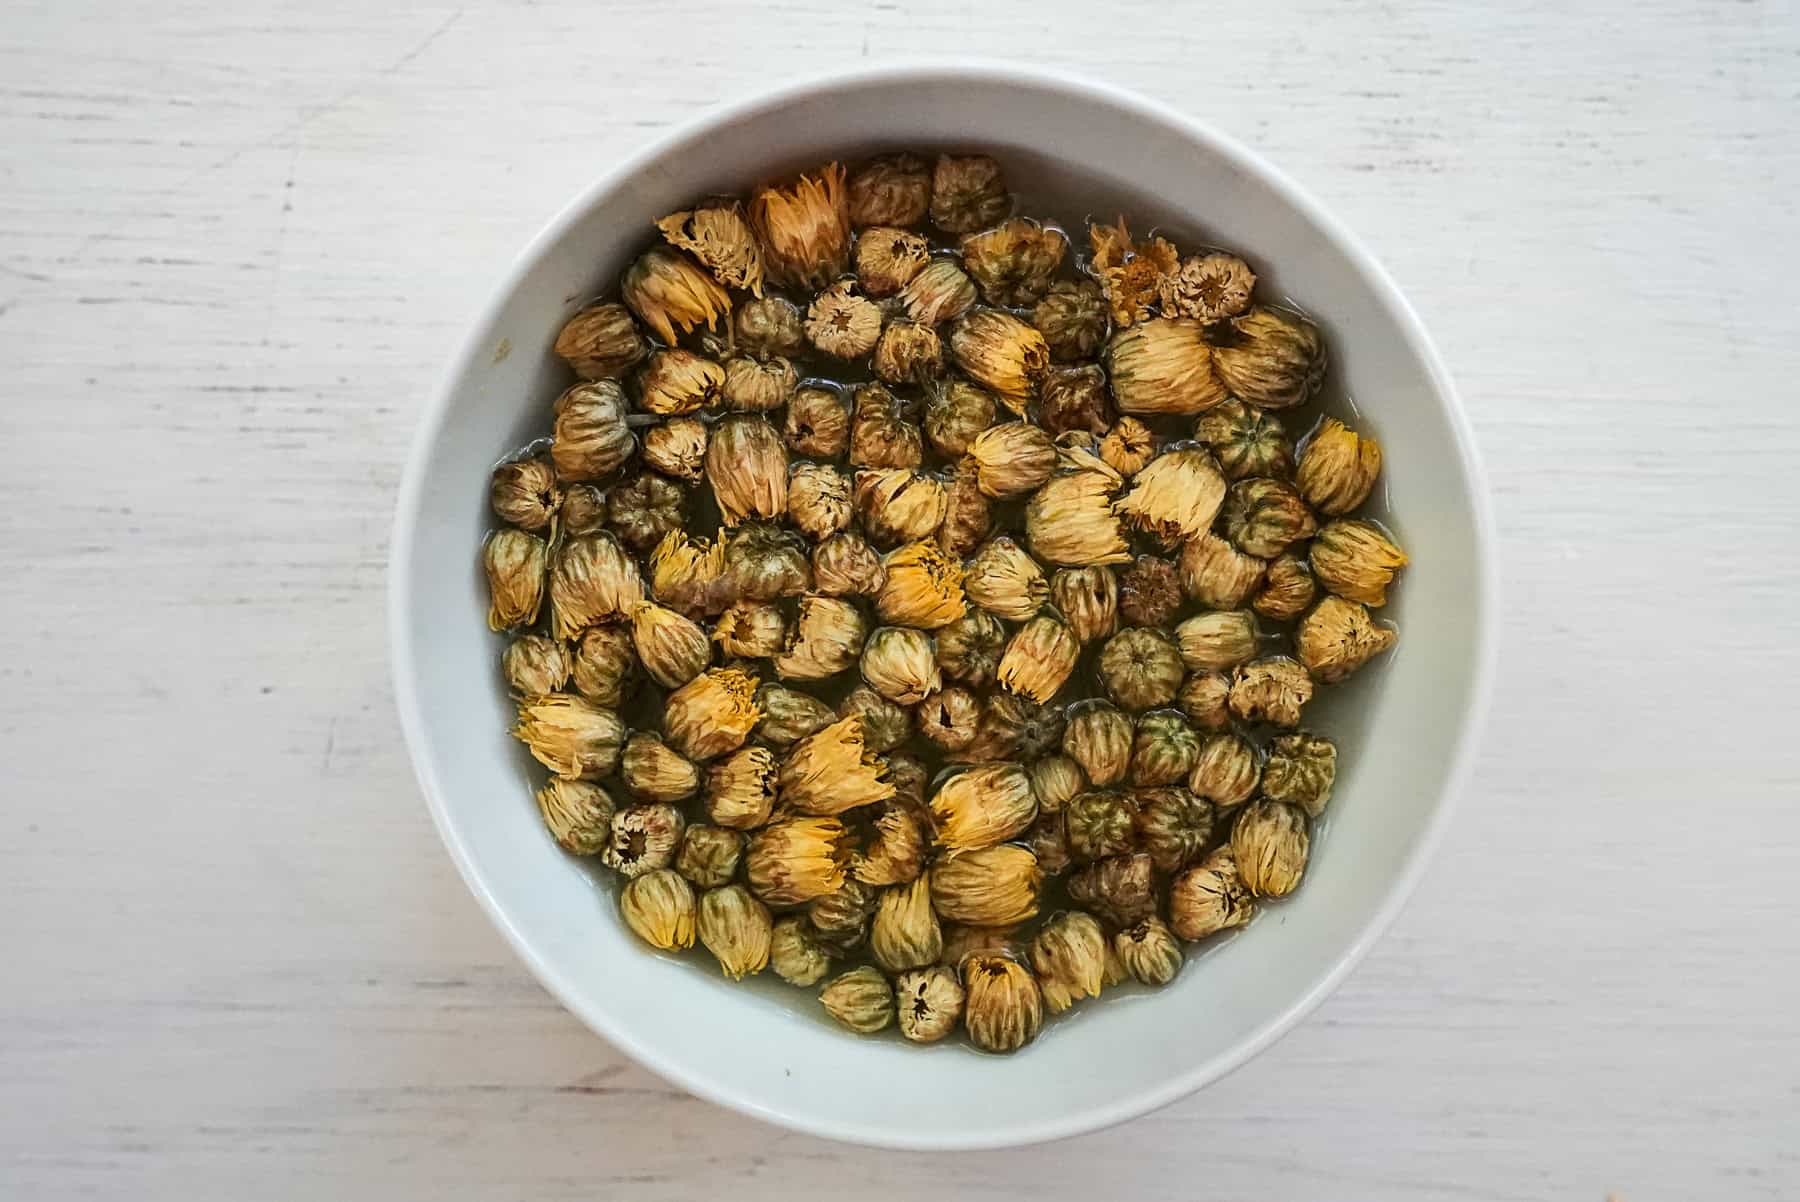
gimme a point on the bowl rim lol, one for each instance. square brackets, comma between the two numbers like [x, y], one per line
[473, 351]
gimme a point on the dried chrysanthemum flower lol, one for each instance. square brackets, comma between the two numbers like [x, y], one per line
[1013, 728]
[1075, 398]
[757, 386]
[711, 714]
[1338, 468]
[764, 561]
[961, 942]
[578, 814]
[1045, 839]
[804, 229]
[896, 850]
[1269, 843]
[969, 648]
[1039, 658]
[1012, 263]
[659, 908]
[1264, 516]
[1120, 889]
[672, 648]
[1338, 637]
[1003, 1008]
[860, 999]
[644, 838]
[1217, 574]
[905, 932]
[796, 952]
[668, 291]
[817, 424]
[1163, 751]
[894, 189]
[1218, 639]
[794, 860]
[956, 412]
[1203, 699]
[828, 636]
[752, 630]
[1163, 367]
[677, 382]
[942, 290]
[689, 575]
[1140, 668]
[845, 565]
[949, 718]
[1088, 599]
[923, 588]
[589, 439]
[1012, 459]
[929, 1003]
[1176, 496]
[1356, 560]
[1287, 590]
[908, 352]
[583, 511]
[968, 192]
[1072, 318]
[768, 327]
[1055, 779]
[1129, 447]
[880, 435]
[709, 855]
[534, 665]
[1172, 826]
[524, 494]
[818, 499]
[968, 515]
[1149, 952]
[900, 663]
[842, 916]
[740, 789]
[1002, 354]
[1149, 592]
[888, 258]
[1247, 441]
[1004, 580]
[1130, 273]
[592, 581]
[908, 775]
[885, 725]
[979, 807]
[989, 887]
[748, 467]
[1097, 824]
[1069, 956]
[716, 234]
[842, 322]
[831, 771]
[789, 715]
[1208, 287]
[736, 929]
[651, 770]
[1226, 772]
[677, 448]
[1301, 771]
[899, 505]
[644, 509]
[515, 563]
[1070, 521]
[1272, 689]
[1098, 738]
[601, 342]
[1209, 898]
[1270, 358]
[603, 666]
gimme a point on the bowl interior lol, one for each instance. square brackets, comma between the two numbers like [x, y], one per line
[1067, 148]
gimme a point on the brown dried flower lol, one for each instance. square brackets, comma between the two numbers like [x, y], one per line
[1264, 516]
[908, 352]
[1088, 599]
[1203, 699]
[1226, 771]
[987, 887]
[534, 665]
[601, 342]
[1338, 468]
[1070, 521]
[817, 423]
[905, 932]
[1208, 287]
[1098, 738]
[1217, 640]
[845, 565]
[1140, 668]
[1338, 637]
[828, 636]
[1012, 263]
[751, 629]
[1287, 590]
[659, 908]
[1039, 658]
[1069, 956]
[818, 499]
[524, 494]
[716, 234]
[1150, 592]
[968, 192]
[709, 856]
[1356, 560]
[644, 839]
[1217, 574]
[768, 327]
[1247, 441]
[1272, 689]
[1072, 318]
[1269, 843]
[602, 664]
[654, 772]
[688, 574]
[515, 563]
[583, 511]
[1055, 779]
[1164, 750]
[1271, 358]
[1075, 398]
[941, 291]
[860, 999]
[748, 467]
[880, 435]
[1004, 580]
[900, 505]
[1129, 447]
[1163, 367]
[1120, 889]
[894, 189]
[968, 517]
[578, 814]
[668, 291]
[969, 648]
[948, 718]
[1003, 1009]
[897, 848]
[593, 580]
[676, 381]
[794, 860]
[590, 438]
[929, 1003]
[842, 322]
[764, 561]
[757, 385]
[1209, 898]
[1012, 459]
[644, 509]
[831, 771]
[956, 412]
[1130, 273]
[1172, 827]
[804, 229]
[740, 789]
[1002, 354]
[711, 714]
[887, 259]
[1176, 496]
[677, 448]
[923, 588]
[900, 663]
[736, 929]
[1149, 952]
[1301, 771]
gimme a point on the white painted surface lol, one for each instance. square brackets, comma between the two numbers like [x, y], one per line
[235, 244]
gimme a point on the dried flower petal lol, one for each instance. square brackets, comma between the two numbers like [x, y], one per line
[1269, 843]
[1338, 468]
[515, 563]
[1072, 319]
[757, 385]
[578, 814]
[1088, 599]
[677, 448]
[980, 807]
[1217, 574]
[740, 789]
[1131, 273]
[748, 467]
[897, 848]
[900, 663]
[1003, 1009]
[688, 575]
[1005, 580]
[817, 424]
[592, 581]
[1226, 771]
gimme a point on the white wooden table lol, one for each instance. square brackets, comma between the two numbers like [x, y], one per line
[236, 242]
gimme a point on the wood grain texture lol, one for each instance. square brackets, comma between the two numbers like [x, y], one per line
[236, 244]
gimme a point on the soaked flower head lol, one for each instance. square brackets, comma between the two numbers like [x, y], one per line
[880, 434]
[904, 933]
[1263, 517]
[668, 291]
[525, 494]
[894, 189]
[794, 860]
[929, 1002]
[711, 714]
[804, 229]
[1012, 263]
[1164, 749]
[1131, 273]
[819, 499]
[1070, 521]
[969, 648]
[1338, 468]
[592, 581]
[1088, 599]
[1013, 727]
[1072, 317]
[676, 382]
[768, 327]
[1012, 459]
[896, 850]
[1209, 898]
[534, 665]
[831, 771]
[1149, 952]
[1150, 592]
[1269, 843]
[1075, 398]
[956, 413]
[645, 508]
[887, 259]
[659, 908]
[990, 887]
[1003, 1008]
[1176, 496]
[601, 342]
[688, 574]
[764, 561]
[590, 439]
[817, 423]
[1287, 589]
[677, 448]
[968, 192]
[1039, 658]
[1207, 287]
[578, 815]
[941, 290]
[515, 563]
[900, 505]
[842, 322]
[653, 771]
[827, 637]
[1217, 574]
[845, 565]
[861, 1000]
[1163, 366]
[1301, 771]
[1338, 637]
[1140, 668]
[1069, 956]
[968, 514]
[1356, 560]
[1272, 689]
[979, 807]
[1246, 440]
[644, 839]
[1217, 640]
[716, 233]
[908, 352]
[1270, 358]
[900, 663]
[740, 789]
[949, 717]
[924, 588]
[1001, 353]
[758, 385]
[1004, 580]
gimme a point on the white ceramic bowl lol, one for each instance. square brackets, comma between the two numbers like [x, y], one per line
[1407, 730]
